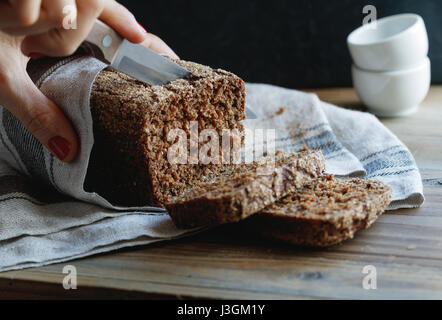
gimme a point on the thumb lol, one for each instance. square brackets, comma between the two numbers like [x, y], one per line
[41, 117]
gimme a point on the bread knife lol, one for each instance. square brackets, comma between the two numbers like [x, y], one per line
[134, 59]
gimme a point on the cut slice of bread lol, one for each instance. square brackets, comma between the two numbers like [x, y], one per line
[324, 212]
[245, 189]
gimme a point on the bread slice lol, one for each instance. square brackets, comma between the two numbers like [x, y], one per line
[245, 189]
[326, 211]
[132, 121]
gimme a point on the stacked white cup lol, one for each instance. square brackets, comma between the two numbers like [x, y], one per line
[391, 71]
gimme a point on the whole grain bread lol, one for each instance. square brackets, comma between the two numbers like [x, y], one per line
[243, 190]
[326, 211]
[283, 198]
[132, 120]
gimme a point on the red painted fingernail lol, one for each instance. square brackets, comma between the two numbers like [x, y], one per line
[142, 28]
[60, 147]
[36, 55]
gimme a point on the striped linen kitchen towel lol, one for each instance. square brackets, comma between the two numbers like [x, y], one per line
[354, 143]
[56, 221]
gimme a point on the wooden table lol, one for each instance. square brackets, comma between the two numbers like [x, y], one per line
[405, 246]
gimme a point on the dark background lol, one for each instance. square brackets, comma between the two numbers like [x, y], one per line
[291, 43]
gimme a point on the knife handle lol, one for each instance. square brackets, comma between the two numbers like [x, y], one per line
[106, 39]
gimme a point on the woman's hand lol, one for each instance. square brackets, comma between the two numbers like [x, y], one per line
[35, 28]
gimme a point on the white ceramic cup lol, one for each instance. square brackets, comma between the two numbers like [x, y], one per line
[393, 93]
[394, 43]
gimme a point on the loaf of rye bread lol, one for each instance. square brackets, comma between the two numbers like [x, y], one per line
[131, 120]
[325, 212]
[129, 164]
[245, 189]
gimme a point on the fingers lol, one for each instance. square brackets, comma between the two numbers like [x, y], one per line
[156, 44]
[63, 42]
[48, 36]
[16, 13]
[27, 11]
[51, 16]
[123, 21]
[39, 115]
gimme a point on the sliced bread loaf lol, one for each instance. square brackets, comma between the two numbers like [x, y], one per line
[243, 190]
[324, 212]
[132, 121]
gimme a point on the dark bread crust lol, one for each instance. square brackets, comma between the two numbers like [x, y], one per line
[129, 164]
[245, 190]
[323, 213]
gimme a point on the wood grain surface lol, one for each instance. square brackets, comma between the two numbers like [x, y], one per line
[404, 245]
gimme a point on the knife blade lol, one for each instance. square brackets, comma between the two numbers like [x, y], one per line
[134, 59]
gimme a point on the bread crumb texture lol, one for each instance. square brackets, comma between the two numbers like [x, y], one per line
[326, 211]
[132, 120]
[242, 190]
